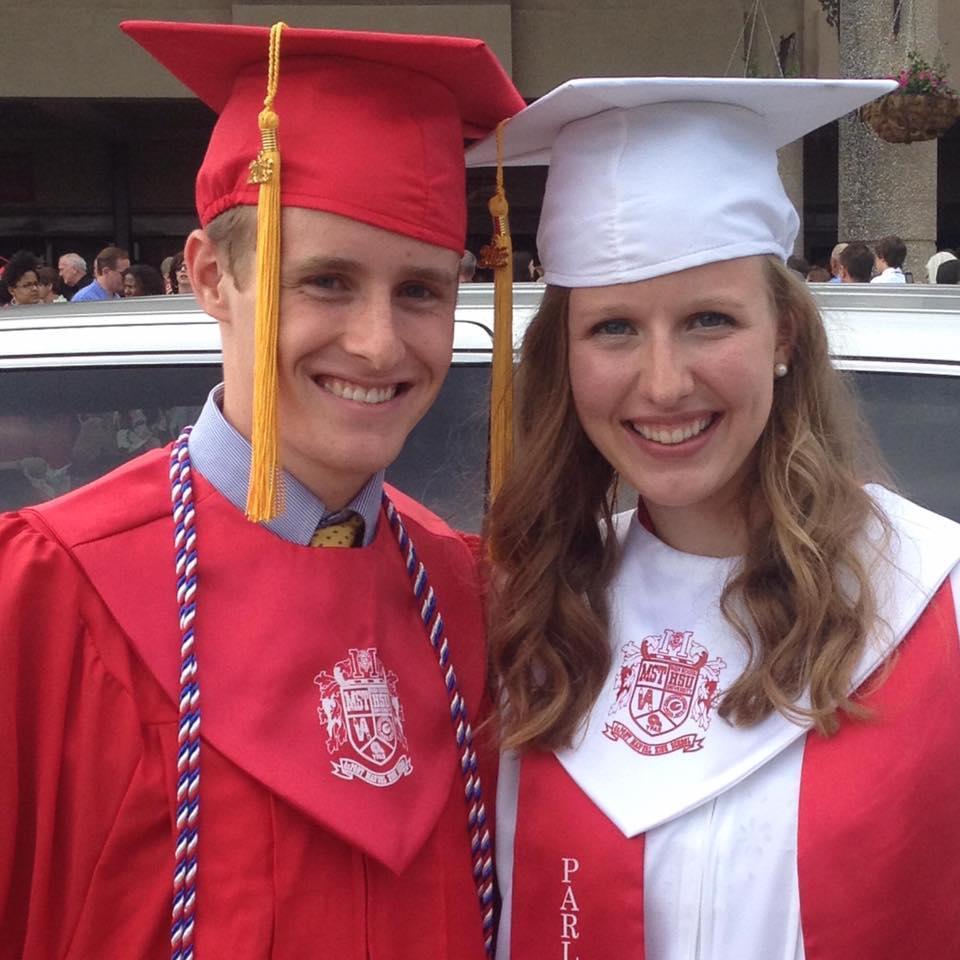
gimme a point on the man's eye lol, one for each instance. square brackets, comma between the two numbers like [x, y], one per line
[417, 291]
[327, 282]
[711, 320]
[611, 328]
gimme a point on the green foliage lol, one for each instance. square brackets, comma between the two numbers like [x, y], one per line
[921, 77]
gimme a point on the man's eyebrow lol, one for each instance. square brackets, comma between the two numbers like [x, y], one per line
[319, 265]
[431, 274]
[326, 265]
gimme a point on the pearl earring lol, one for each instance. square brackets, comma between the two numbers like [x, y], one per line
[780, 370]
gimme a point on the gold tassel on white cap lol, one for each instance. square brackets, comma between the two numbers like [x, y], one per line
[263, 490]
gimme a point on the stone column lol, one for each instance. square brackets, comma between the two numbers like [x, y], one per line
[887, 187]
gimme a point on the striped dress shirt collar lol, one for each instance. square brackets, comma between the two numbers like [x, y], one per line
[222, 455]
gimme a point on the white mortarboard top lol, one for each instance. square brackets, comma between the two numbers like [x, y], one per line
[651, 175]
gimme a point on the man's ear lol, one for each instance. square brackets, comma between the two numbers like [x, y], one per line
[208, 274]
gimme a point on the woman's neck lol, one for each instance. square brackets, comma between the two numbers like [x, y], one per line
[705, 530]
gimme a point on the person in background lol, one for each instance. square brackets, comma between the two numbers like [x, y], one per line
[856, 262]
[165, 265]
[798, 265]
[522, 261]
[891, 253]
[835, 263]
[717, 706]
[73, 274]
[329, 629]
[49, 279]
[142, 280]
[108, 269]
[468, 267]
[818, 275]
[179, 275]
[948, 271]
[933, 264]
[20, 280]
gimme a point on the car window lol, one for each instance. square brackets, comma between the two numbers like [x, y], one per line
[62, 428]
[915, 419]
[444, 461]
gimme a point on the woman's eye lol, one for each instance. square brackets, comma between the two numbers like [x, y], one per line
[611, 328]
[711, 320]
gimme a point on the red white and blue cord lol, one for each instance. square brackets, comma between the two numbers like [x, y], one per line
[188, 754]
[480, 846]
[188, 737]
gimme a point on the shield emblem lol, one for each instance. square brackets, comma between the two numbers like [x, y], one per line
[368, 714]
[663, 689]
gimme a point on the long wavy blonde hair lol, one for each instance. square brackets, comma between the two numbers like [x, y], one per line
[806, 512]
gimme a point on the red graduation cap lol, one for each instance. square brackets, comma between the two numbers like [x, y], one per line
[371, 125]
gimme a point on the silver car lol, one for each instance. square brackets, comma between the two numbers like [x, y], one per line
[84, 387]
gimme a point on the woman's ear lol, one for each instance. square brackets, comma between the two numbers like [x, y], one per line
[208, 274]
[786, 337]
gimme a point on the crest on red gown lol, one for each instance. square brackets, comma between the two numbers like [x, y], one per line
[362, 715]
[667, 687]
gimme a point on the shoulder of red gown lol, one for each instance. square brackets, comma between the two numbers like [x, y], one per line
[132, 496]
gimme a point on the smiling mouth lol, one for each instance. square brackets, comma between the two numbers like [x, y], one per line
[670, 436]
[354, 391]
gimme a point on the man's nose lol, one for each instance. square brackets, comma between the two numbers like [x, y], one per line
[373, 334]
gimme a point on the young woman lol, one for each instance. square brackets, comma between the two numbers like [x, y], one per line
[729, 714]
[142, 280]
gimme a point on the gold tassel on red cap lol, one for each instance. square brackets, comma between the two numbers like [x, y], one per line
[263, 490]
[498, 256]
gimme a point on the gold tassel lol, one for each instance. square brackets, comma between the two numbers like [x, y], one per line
[498, 256]
[263, 490]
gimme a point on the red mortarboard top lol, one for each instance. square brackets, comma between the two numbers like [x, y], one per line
[371, 125]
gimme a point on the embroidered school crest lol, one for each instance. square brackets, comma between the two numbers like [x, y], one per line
[666, 690]
[363, 718]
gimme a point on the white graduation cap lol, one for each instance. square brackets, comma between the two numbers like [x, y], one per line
[651, 175]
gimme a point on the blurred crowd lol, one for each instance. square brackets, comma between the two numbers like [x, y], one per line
[26, 279]
[857, 262]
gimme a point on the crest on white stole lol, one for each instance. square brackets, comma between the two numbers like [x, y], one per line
[666, 689]
[363, 717]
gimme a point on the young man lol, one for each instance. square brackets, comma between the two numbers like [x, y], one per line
[856, 263]
[891, 254]
[108, 270]
[333, 820]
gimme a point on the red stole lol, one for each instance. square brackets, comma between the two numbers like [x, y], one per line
[879, 831]
[281, 630]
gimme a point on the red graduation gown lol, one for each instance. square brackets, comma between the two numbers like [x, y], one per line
[295, 860]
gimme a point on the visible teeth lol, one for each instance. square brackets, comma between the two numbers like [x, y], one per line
[673, 436]
[352, 391]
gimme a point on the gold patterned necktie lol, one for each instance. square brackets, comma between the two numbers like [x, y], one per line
[347, 533]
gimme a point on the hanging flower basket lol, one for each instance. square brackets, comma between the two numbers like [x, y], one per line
[908, 117]
[921, 108]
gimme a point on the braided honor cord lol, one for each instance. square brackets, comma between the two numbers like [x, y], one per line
[188, 753]
[480, 848]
